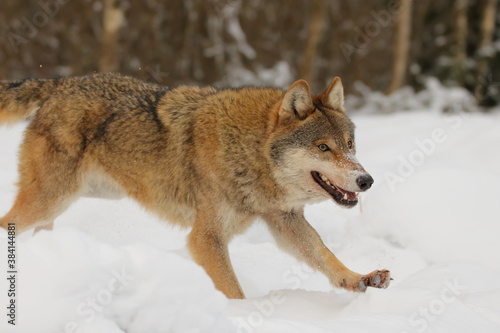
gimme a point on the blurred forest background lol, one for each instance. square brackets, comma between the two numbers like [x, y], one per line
[381, 46]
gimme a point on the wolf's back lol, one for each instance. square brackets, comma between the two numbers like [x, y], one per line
[20, 100]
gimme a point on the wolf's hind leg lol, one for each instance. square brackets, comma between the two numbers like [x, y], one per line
[295, 234]
[32, 210]
[48, 226]
[48, 183]
[36, 206]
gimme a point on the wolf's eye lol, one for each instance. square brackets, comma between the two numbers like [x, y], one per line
[349, 144]
[323, 147]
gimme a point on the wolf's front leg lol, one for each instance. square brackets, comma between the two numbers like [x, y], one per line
[297, 236]
[208, 243]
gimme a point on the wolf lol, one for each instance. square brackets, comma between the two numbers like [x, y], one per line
[210, 159]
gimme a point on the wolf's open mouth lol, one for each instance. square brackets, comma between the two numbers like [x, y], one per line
[342, 197]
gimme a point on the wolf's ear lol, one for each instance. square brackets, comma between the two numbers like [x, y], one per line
[333, 97]
[297, 102]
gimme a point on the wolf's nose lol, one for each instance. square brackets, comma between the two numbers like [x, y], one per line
[364, 182]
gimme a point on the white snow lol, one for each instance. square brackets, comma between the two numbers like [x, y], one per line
[279, 75]
[434, 97]
[431, 219]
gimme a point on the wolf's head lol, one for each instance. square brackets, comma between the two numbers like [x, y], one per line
[312, 148]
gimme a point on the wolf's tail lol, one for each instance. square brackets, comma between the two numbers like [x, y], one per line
[20, 100]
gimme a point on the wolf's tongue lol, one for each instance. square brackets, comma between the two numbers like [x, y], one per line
[350, 195]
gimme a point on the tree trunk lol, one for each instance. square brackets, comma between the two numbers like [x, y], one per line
[190, 51]
[112, 21]
[316, 26]
[484, 52]
[401, 46]
[460, 39]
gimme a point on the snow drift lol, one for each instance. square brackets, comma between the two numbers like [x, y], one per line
[110, 267]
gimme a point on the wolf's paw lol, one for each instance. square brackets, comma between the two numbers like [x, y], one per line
[376, 279]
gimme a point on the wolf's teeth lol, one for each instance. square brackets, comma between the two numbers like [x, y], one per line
[345, 196]
[356, 196]
[323, 178]
[328, 182]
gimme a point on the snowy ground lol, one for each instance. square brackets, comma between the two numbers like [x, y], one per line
[432, 219]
